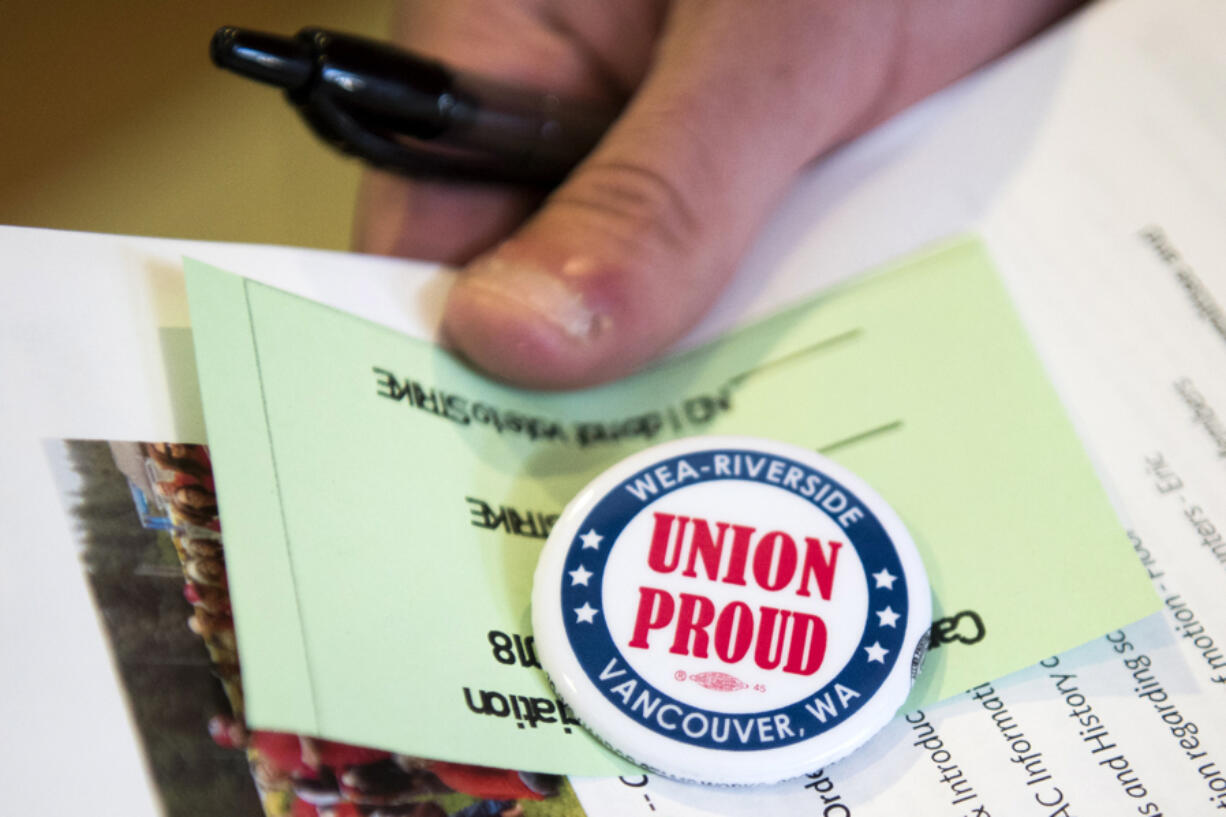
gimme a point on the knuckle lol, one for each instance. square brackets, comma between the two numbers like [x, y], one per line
[635, 202]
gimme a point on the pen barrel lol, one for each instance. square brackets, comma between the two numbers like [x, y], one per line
[540, 134]
[406, 113]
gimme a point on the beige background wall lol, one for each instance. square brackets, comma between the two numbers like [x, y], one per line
[113, 119]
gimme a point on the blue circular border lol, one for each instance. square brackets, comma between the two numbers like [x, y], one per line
[593, 646]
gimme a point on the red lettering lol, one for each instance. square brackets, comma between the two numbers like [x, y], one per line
[697, 613]
[651, 616]
[764, 560]
[766, 637]
[775, 555]
[702, 545]
[735, 574]
[658, 557]
[803, 643]
[811, 630]
[816, 565]
[733, 632]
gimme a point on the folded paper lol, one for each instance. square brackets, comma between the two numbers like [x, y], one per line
[384, 505]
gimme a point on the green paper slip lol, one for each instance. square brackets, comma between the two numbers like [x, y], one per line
[383, 505]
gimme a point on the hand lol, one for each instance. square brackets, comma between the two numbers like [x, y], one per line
[725, 101]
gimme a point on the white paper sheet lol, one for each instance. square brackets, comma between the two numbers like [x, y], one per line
[1106, 225]
[1093, 162]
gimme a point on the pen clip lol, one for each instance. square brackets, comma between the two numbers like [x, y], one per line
[405, 155]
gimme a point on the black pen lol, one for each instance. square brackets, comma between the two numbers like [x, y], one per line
[408, 114]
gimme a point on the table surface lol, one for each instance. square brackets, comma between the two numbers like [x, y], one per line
[116, 121]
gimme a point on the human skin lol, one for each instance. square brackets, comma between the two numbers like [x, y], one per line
[725, 102]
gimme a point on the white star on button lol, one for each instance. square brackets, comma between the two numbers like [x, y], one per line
[591, 539]
[884, 579]
[888, 617]
[586, 613]
[876, 652]
[581, 574]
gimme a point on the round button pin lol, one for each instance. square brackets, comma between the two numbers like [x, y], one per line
[730, 610]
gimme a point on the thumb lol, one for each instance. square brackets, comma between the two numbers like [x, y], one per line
[631, 250]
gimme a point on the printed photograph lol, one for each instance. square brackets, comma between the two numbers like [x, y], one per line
[152, 549]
